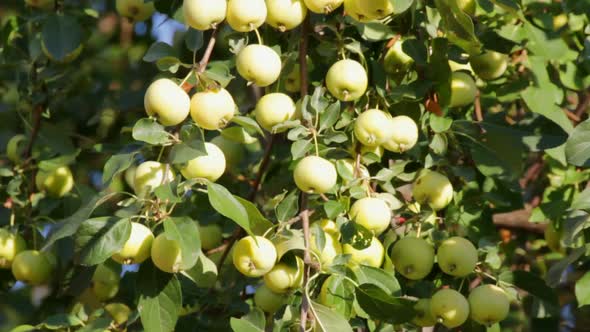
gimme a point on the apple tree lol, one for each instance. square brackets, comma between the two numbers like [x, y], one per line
[295, 165]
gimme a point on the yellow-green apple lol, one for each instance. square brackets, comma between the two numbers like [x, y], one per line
[167, 102]
[373, 127]
[267, 300]
[434, 189]
[211, 236]
[285, 14]
[254, 256]
[372, 255]
[33, 267]
[151, 174]
[315, 175]
[212, 109]
[449, 307]
[457, 256]
[332, 246]
[210, 166]
[284, 278]
[137, 247]
[372, 213]
[375, 8]
[259, 64]
[413, 257]
[273, 109]
[56, 182]
[16, 147]
[105, 282]
[11, 244]
[204, 14]
[489, 65]
[424, 316]
[136, 10]
[323, 6]
[404, 136]
[463, 89]
[351, 8]
[246, 15]
[488, 304]
[396, 61]
[347, 80]
[118, 311]
[166, 254]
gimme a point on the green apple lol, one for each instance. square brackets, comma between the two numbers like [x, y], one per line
[449, 307]
[326, 297]
[315, 175]
[293, 80]
[105, 282]
[137, 247]
[559, 21]
[347, 80]
[372, 255]
[254, 257]
[136, 10]
[273, 109]
[284, 278]
[11, 244]
[457, 256]
[375, 8]
[467, 6]
[489, 65]
[434, 189]
[41, 4]
[118, 311]
[463, 89]
[373, 127]
[267, 300]
[351, 8]
[285, 14]
[234, 152]
[348, 166]
[246, 15]
[553, 238]
[210, 166]
[33, 267]
[413, 257]
[167, 102]
[424, 316]
[211, 236]
[166, 254]
[376, 150]
[149, 175]
[323, 6]
[396, 61]
[204, 14]
[56, 183]
[488, 304]
[212, 109]
[129, 176]
[404, 135]
[372, 213]
[332, 246]
[259, 64]
[16, 147]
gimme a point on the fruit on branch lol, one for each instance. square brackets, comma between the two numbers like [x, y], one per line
[136, 10]
[273, 109]
[285, 14]
[212, 109]
[167, 102]
[137, 247]
[376, 150]
[332, 246]
[347, 80]
[434, 189]
[559, 21]
[467, 6]
[118, 311]
[375, 8]
[284, 278]
[372, 255]
[463, 89]
[404, 134]
[166, 254]
[488, 304]
[41, 4]
[33, 267]
[373, 127]
[315, 175]
[553, 238]
[254, 256]
[351, 8]
[372, 213]
[246, 15]
[129, 176]
[267, 300]
[204, 14]
[450, 307]
[489, 65]
[349, 165]
[457, 256]
[292, 81]
[396, 61]
[105, 282]
[424, 316]
[149, 175]
[11, 244]
[323, 6]
[211, 236]
[259, 64]
[16, 147]
[210, 166]
[56, 182]
[413, 257]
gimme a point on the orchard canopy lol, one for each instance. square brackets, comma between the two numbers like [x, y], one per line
[295, 165]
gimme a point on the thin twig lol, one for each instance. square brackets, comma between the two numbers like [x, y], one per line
[478, 111]
[204, 60]
[583, 104]
[37, 112]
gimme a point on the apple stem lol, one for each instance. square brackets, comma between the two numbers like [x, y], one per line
[258, 36]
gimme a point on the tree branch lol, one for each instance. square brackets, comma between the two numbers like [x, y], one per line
[205, 59]
[518, 219]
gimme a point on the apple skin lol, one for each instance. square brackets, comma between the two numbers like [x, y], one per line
[434, 189]
[396, 61]
[105, 283]
[323, 6]
[560, 21]
[166, 101]
[424, 317]
[211, 236]
[56, 183]
[489, 65]
[372, 255]
[467, 6]
[129, 176]
[41, 4]
[273, 109]
[11, 244]
[15, 148]
[332, 246]
[315, 175]
[284, 278]
[292, 81]
[259, 64]
[136, 10]
[149, 175]
[33, 267]
[375, 8]
[373, 127]
[351, 8]
[413, 257]
[210, 167]
[285, 14]
[118, 311]
[372, 213]
[137, 248]
[213, 109]
[463, 89]
[204, 14]
[404, 135]
[254, 259]
[246, 15]
[267, 300]
[488, 304]
[166, 254]
[449, 307]
[457, 256]
[347, 80]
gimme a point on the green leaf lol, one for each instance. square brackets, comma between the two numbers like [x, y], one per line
[24, 328]
[61, 321]
[548, 47]
[99, 238]
[583, 290]
[577, 149]
[61, 36]
[458, 25]
[328, 320]
[400, 6]
[374, 31]
[330, 116]
[151, 132]
[185, 232]
[288, 207]
[182, 153]
[117, 164]
[384, 280]
[238, 134]
[228, 206]
[300, 148]
[193, 39]
[159, 50]
[339, 295]
[160, 298]
[530, 283]
[556, 271]
[258, 222]
[248, 124]
[288, 240]
[380, 306]
[243, 325]
[204, 273]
